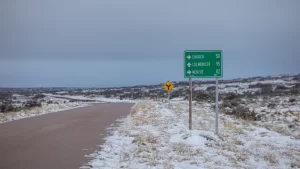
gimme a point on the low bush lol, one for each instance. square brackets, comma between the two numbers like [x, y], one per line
[7, 107]
[176, 94]
[39, 96]
[266, 90]
[292, 100]
[297, 86]
[260, 85]
[230, 96]
[32, 103]
[271, 105]
[5, 95]
[235, 86]
[202, 96]
[243, 112]
[231, 100]
[211, 88]
[295, 91]
[281, 87]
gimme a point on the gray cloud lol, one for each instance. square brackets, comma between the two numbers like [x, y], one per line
[257, 37]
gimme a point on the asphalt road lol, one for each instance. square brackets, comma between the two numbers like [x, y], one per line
[58, 140]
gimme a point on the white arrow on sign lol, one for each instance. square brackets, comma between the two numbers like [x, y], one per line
[189, 72]
[189, 64]
[189, 57]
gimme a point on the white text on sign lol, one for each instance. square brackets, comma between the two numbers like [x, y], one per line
[197, 72]
[200, 64]
[198, 56]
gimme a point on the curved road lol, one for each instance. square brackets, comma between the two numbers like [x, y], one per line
[57, 140]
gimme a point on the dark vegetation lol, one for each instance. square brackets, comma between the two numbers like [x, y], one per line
[233, 105]
[7, 101]
[203, 96]
[8, 106]
[32, 103]
[231, 101]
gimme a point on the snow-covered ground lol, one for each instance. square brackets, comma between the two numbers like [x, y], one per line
[68, 97]
[114, 100]
[57, 105]
[243, 87]
[156, 136]
[97, 99]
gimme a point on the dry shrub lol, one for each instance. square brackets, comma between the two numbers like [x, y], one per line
[271, 105]
[135, 109]
[202, 96]
[7, 107]
[244, 113]
[181, 148]
[295, 164]
[231, 100]
[292, 100]
[239, 111]
[270, 158]
[211, 88]
[151, 139]
[32, 103]
[260, 85]
[139, 106]
[140, 120]
[242, 155]
[39, 96]
[238, 142]
[266, 90]
[138, 139]
[230, 96]
[228, 124]
[168, 165]
[281, 87]
[153, 162]
[281, 130]
[145, 138]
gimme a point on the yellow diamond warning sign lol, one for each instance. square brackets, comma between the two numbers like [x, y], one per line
[168, 86]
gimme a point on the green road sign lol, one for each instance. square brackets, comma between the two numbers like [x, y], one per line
[203, 63]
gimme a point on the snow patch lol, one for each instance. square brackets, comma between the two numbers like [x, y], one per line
[188, 140]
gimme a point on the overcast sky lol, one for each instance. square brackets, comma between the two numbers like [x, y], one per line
[105, 43]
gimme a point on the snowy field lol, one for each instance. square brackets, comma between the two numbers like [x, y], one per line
[94, 99]
[156, 136]
[259, 124]
[55, 106]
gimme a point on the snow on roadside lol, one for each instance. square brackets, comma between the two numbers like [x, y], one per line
[157, 136]
[45, 109]
[58, 103]
[114, 100]
[68, 97]
[97, 99]
[242, 87]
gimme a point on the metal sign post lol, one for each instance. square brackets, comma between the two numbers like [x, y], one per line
[217, 108]
[169, 98]
[190, 103]
[203, 64]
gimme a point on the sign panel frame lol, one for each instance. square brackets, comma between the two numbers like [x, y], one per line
[202, 51]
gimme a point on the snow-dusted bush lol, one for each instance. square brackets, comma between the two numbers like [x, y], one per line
[32, 103]
[7, 107]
